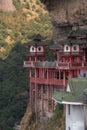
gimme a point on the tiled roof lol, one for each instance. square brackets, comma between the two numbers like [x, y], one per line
[77, 87]
[73, 41]
[55, 46]
[37, 43]
[71, 37]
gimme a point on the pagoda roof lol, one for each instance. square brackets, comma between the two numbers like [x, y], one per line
[79, 32]
[76, 94]
[37, 43]
[72, 41]
[55, 47]
[79, 36]
[36, 37]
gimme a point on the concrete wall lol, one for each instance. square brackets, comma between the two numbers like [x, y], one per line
[85, 115]
[74, 117]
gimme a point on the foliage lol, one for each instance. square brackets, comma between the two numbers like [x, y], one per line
[13, 80]
[15, 29]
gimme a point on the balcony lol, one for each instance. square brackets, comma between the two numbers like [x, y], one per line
[62, 65]
[68, 65]
[56, 65]
[29, 64]
[47, 81]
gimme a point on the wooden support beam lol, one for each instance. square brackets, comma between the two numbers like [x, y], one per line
[48, 97]
[42, 100]
[30, 97]
[36, 98]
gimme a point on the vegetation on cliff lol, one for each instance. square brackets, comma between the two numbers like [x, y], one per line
[16, 27]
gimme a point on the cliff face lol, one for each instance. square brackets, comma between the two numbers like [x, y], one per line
[66, 13]
[7, 5]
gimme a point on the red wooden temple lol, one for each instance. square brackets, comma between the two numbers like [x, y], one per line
[49, 76]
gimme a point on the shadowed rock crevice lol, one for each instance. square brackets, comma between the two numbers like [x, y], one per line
[65, 14]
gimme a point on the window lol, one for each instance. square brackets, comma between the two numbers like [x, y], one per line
[69, 109]
[66, 48]
[40, 49]
[84, 74]
[32, 49]
[75, 48]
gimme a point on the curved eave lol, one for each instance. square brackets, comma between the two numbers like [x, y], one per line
[66, 102]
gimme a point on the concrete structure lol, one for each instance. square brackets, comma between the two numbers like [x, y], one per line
[74, 99]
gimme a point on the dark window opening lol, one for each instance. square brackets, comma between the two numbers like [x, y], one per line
[67, 48]
[75, 48]
[68, 128]
[39, 48]
[84, 74]
[69, 109]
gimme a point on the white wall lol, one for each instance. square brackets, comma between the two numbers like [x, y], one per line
[65, 48]
[83, 73]
[72, 48]
[75, 120]
[32, 49]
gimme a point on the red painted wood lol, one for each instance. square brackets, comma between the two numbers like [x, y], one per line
[46, 81]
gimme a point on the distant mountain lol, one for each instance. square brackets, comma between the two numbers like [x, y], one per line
[7, 5]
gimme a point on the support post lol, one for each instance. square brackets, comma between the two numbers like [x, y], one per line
[48, 97]
[42, 100]
[64, 78]
[53, 100]
[30, 97]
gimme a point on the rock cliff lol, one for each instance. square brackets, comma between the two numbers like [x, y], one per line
[7, 5]
[65, 14]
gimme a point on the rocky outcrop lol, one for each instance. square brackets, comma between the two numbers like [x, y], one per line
[65, 14]
[7, 5]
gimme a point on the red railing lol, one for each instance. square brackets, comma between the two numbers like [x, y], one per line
[75, 64]
[78, 65]
[63, 65]
[28, 64]
[58, 65]
[71, 65]
[47, 81]
[85, 64]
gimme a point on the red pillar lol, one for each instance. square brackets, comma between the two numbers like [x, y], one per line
[42, 100]
[31, 97]
[53, 100]
[36, 98]
[59, 74]
[42, 58]
[30, 72]
[78, 73]
[78, 59]
[70, 73]
[43, 72]
[48, 97]
[30, 59]
[64, 78]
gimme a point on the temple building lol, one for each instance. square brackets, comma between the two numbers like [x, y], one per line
[47, 77]
[75, 99]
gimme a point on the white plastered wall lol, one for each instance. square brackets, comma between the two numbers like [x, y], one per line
[75, 119]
